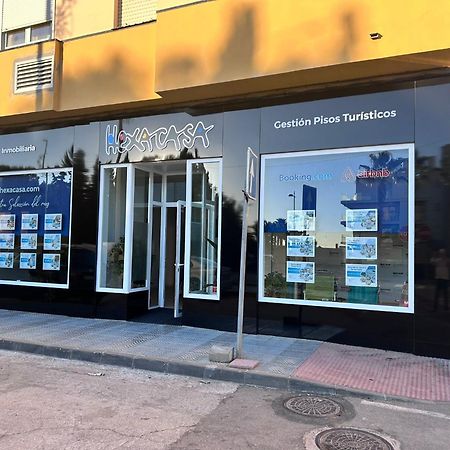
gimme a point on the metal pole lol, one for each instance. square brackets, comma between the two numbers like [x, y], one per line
[240, 323]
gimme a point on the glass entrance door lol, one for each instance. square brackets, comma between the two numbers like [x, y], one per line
[179, 259]
[167, 234]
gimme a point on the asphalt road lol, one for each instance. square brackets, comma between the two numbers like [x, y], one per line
[49, 404]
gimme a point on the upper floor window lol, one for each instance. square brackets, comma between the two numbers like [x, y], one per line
[26, 21]
[23, 36]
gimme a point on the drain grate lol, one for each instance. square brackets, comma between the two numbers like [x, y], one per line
[351, 439]
[314, 406]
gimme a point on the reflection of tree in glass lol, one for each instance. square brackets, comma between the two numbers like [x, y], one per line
[384, 173]
[278, 226]
[275, 285]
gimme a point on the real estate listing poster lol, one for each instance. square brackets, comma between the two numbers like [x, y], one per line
[7, 241]
[361, 275]
[300, 272]
[361, 248]
[301, 246]
[361, 219]
[28, 260]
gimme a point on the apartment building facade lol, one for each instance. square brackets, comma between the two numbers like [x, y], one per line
[125, 127]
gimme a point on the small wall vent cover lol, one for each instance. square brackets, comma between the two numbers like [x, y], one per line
[34, 74]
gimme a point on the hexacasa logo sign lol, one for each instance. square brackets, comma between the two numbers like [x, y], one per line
[120, 141]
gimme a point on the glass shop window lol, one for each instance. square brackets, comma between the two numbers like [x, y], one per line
[140, 229]
[113, 202]
[337, 228]
[204, 200]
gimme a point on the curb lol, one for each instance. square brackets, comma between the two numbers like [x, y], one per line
[208, 372]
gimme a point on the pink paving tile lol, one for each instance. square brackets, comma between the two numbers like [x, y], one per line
[380, 371]
[243, 364]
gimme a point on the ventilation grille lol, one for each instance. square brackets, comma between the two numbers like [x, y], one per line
[132, 12]
[34, 74]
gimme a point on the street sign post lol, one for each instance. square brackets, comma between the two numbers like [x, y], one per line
[252, 164]
[249, 194]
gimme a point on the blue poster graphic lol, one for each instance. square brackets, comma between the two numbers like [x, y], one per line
[30, 221]
[28, 241]
[361, 248]
[51, 261]
[361, 275]
[302, 246]
[27, 261]
[32, 204]
[300, 272]
[52, 242]
[361, 219]
[6, 260]
[7, 241]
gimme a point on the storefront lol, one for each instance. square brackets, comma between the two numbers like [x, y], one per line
[140, 218]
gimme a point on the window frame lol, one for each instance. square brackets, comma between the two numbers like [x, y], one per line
[187, 247]
[27, 30]
[129, 198]
[324, 304]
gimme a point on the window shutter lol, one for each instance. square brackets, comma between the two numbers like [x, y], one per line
[22, 13]
[33, 74]
[132, 12]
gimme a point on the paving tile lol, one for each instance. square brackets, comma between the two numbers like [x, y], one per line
[396, 374]
[282, 361]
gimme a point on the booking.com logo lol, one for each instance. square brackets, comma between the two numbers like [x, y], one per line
[321, 176]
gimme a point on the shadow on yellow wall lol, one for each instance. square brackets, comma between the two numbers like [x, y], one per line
[226, 40]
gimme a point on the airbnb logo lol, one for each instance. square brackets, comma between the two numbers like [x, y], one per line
[371, 173]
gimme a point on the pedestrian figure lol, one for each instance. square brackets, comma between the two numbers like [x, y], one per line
[441, 265]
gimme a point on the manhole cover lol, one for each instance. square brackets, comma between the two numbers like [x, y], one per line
[313, 406]
[351, 439]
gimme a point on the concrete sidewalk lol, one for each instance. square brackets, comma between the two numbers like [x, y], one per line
[294, 364]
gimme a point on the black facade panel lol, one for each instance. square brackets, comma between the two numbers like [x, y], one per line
[421, 117]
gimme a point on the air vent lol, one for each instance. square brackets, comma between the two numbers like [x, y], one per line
[32, 75]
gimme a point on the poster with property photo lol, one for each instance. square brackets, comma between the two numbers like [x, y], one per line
[28, 261]
[28, 241]
[7, 241]
[52, 242]
[30, 222]
[300, 272]
[7, 222]
[6, 260]
[361, 275]
[361, 248]
[301, 246]
[51, 261]
[53, 222]
[361, 219]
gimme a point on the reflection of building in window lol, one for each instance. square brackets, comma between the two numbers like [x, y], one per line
[384, 186]
[204, 241]
[361, 214]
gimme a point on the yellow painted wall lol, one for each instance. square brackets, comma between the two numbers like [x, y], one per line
[109, 68]
[74, 18]
[42, 100]
[225, 40]
[226, 48]
[164, 4]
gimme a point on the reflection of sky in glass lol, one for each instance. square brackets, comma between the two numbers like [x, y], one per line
[333, 176]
